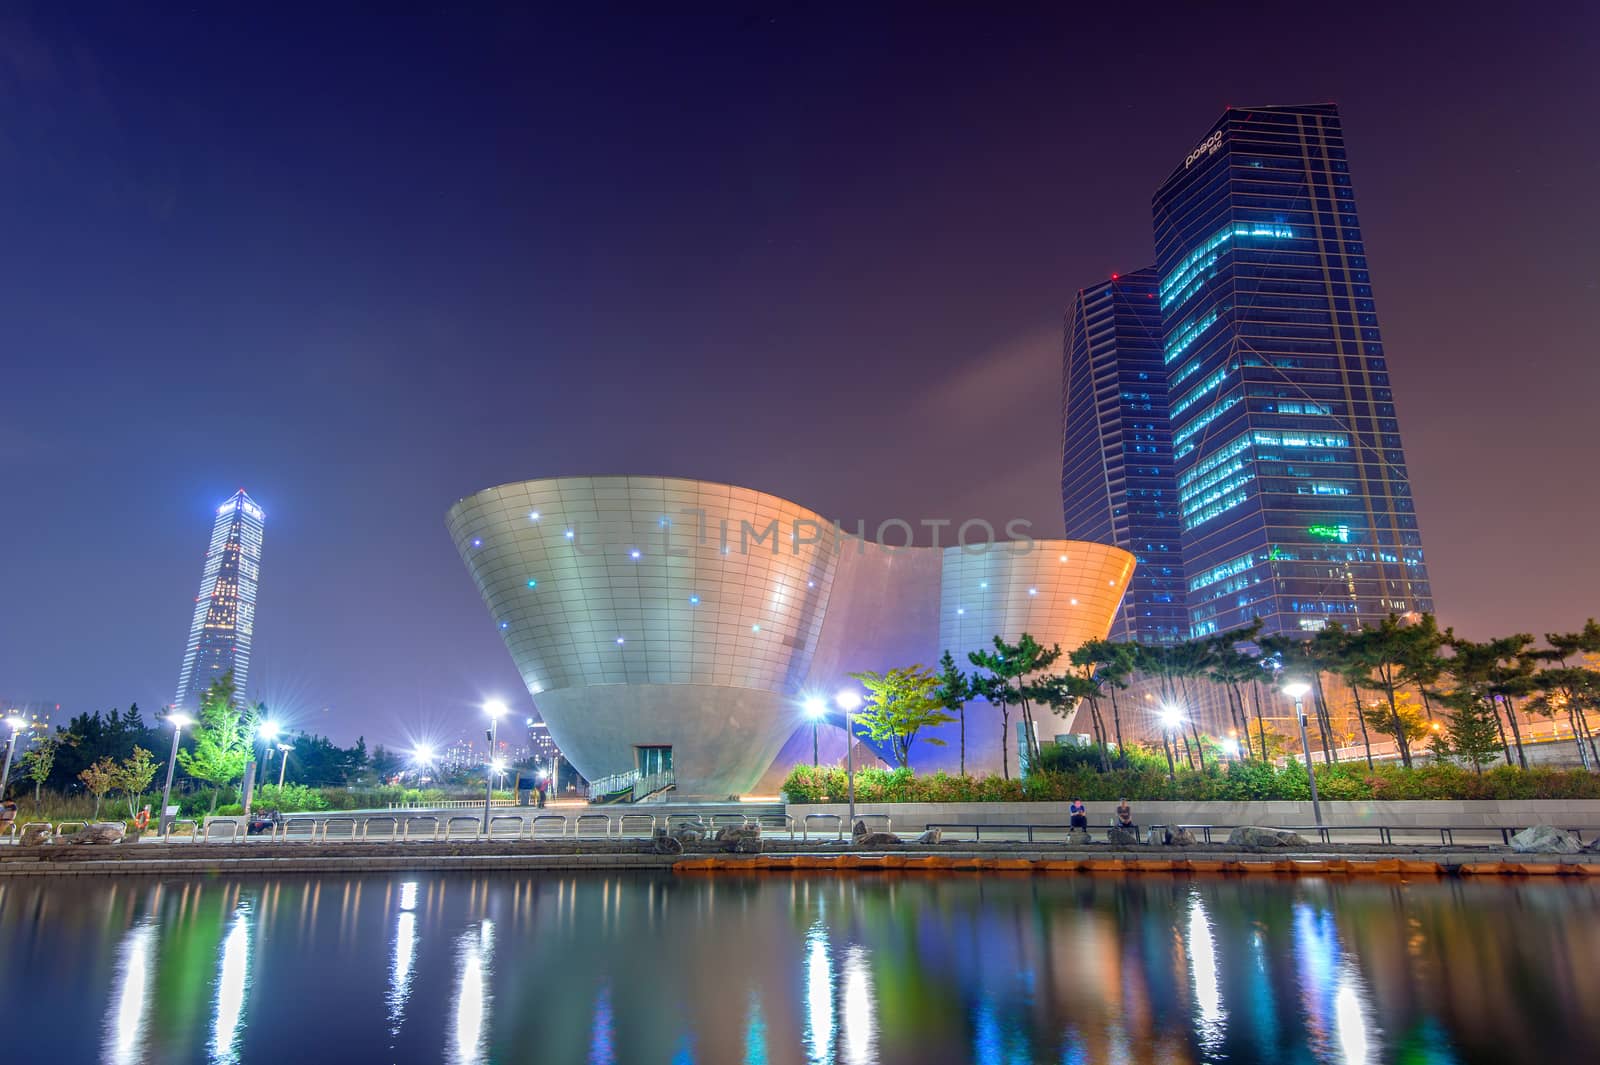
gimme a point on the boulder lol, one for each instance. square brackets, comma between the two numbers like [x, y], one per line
[1121, 837]
[1180, 837]
[933, 835]
[1079, 837]
[36, 835]
[744, 839]
[687, 834]
[1254, 836]
[103, 832]
[878, 839]
[662, 843]
[1545, 839]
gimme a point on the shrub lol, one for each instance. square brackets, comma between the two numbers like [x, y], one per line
[1234, 781]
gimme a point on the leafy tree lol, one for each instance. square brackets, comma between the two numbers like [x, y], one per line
[1471, 732]
[40, 759]
[386, 764]
[1382, 653]
[899, 704]
[100, 778]
[222, 739]
[953, 693]
[1010, 666]
[1402, 719]
[134, 777]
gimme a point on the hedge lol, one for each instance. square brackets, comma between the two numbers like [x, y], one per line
[1234, 782]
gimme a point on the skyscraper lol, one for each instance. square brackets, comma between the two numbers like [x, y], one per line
[1116, 471]
[1293, 494]
[225, 609]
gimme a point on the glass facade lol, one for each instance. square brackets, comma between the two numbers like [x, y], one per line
[225, 609]
[1116, 471]
[1292, 494]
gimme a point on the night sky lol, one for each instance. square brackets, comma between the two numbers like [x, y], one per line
[364, 265]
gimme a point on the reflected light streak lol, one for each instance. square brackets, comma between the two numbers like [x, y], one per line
[819, 997]
[125, 1029]
[405, 953]
[860, 1033]
[755, 1034]
[1351, 1022]
[601, 1047]
[1203, 967]
[473, 950]
[233, 980]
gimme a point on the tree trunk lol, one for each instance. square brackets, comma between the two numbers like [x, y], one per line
[1319, 701]
[97, 799]
[1500, 727]
[1244, 722]
[1116, 722]
[1516, 731]
[1261, 722]
[1005, 755]
[961, 712]
[1399, 729]
[1366, 738]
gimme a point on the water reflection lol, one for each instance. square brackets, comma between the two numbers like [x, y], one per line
[405, 954]
[819, 996]
[473, 950]
[127, 1021]
[233, 980]
[1203, 969]
[670, 971]
[860, 1027]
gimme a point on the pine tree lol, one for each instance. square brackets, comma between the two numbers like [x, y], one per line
[1471, 732]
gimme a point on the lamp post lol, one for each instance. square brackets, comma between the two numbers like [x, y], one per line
[1171, 721]
[16, 723]
[1296, 690]
[266, 732]
[849, 700]
[815, 708]
[179, 721]
[283, 762]
[496, 710]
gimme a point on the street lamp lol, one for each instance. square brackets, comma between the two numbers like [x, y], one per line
[16, 723]
[1171, 721]
[849, 700]
[496, 710]
[266, 732]
[815, 707]
[179, 721]
[1296, 690]
[283, 762]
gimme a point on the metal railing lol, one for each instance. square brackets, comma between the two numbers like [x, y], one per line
[636, 825]
[592, 826]
[411, 822]
[613, 784]
[449, 804]
[539, 826]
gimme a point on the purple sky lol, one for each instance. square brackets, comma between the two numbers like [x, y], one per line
[364, 266]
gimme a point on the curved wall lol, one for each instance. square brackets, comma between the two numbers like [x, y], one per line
[652, 610]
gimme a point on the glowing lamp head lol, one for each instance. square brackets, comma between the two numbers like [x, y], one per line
[268, 730]
[849, 700]
[496, 709]
[815, 706]
[285, 747]
[423, 754]
[499, 765]
[1171, 717]
[179, 719]
[15, 723]
[1296, 689]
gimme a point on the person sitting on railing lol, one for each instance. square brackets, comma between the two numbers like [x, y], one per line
[1079, 815]
[8, 815]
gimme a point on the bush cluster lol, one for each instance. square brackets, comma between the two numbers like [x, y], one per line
[1069, 779]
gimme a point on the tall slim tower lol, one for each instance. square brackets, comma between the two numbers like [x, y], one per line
[225, 609]
[1293, 495]
[1116, 470]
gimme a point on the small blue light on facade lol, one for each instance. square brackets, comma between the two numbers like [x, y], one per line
[961, 610]
[811, 584]
[505, 625]
[619, 641]
[533, 515]
[569, 534]
[634, 554]
[1033, 591]
[755, 628]
[983, 584]
[477, 543]
[532, 583]
[694, 600]
[664, 523]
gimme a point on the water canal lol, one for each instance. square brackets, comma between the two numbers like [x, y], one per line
[641, 969]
